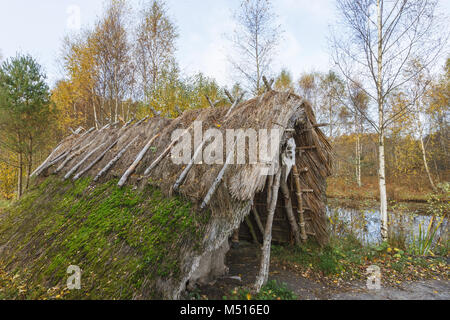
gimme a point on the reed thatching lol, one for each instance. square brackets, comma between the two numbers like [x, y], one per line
[240, 185]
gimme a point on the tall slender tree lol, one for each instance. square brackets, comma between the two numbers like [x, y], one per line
[255, 40]
[25, 113]
[381, 38]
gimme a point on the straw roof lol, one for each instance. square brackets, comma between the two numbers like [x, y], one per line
[232, 200]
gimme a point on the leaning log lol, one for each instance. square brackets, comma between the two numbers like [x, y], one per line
[71, 156]
[300, 209]
[100, 157]
[290, 212]
[166, 152]
[115, 159]
[235, 103]
[186, 170]
[263, 275]
[217, 181]
[138, 159]
[258, 220]
[79, 164]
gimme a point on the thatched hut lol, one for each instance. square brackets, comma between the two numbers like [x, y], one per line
[234, 195]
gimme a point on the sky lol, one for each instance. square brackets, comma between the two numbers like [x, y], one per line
[38, 28]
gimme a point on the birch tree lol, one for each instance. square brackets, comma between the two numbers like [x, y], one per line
[155, 45]
[255, 40]
[376, 40]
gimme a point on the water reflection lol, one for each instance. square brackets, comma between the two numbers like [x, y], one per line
[365, 224]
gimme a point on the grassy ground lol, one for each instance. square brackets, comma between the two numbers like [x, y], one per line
[123, 240]
[345, 260]
[398, 189]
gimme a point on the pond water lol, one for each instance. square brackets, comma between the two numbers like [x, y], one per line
[365, 224]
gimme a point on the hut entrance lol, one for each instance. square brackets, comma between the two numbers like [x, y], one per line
[252, 228]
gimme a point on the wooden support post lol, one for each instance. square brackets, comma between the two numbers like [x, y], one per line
[115, 159]
[258, 220]
[218, 179]
[209, 101]
[290, 212]
[267, 84]
[140, 121]
[138, 159]
[252, 230]
[79, 164]
[230, 97]
[71, 156]
[186, 170]
[100, 157]
[166, 151]
[300, 209]
[235, 103]
[263, 275]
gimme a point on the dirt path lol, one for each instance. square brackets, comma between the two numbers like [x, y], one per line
[244, 264]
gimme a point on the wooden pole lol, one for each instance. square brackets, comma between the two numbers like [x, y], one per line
[115, 159]
[290, 212]
[300, 209]
[186, 170]
[166, 151]
[258, 220]
[218, 179]
[79, 164]
[138, 159]
[235, 103]
[100, 157]
[252, 230]
[71, 156]
[263, 275]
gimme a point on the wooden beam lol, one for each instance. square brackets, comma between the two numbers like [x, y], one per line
[79, 164]
[300, 211]
[307, 148]
[290, 212]
[258, 220]
[138, 159]
[230, 97]
[186, 170]
[252, 230]
[100, 157]
[267, 84]
[115, 159]
[263, 274]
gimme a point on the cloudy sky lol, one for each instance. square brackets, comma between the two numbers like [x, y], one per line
[38, 27]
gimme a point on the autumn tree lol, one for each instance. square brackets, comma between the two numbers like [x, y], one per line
[113, 58]
[283, 81]
[154, 46]
[375, 42]
[25, 114]
[255, 40]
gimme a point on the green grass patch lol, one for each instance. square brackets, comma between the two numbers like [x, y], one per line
[273, 290]
[123, 240]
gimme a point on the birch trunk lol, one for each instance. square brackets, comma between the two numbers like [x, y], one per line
[380, 100]
[263, 275]
[425, 163]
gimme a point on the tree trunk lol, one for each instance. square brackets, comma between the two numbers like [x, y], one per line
[263, 275]
[358, 161]
[19, 177]
[425, 163]
[382, 183]
[380, 100]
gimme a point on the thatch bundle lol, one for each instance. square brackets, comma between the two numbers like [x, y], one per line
[130, 151]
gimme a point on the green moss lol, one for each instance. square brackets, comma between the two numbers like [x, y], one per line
[121, 239]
